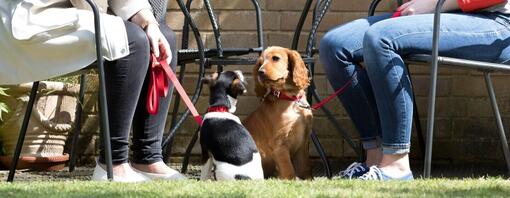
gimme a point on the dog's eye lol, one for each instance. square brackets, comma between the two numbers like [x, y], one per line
[276, 58]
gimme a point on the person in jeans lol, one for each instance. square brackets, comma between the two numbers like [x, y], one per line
[380, 99]
[47, 38]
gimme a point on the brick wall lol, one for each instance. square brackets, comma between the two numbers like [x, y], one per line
[465, 128]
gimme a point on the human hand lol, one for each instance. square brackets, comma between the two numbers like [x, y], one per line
[159, 44]
[414, 7]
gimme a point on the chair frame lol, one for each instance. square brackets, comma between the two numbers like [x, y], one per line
[434, 59]
[320, 9]
[220, 57]
[102, 106]
[205, 58]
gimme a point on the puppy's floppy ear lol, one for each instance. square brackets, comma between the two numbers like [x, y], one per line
[239, 84]
[240, 75]
[210, 79]
[238, 87]
[260, 90]
[298, 70]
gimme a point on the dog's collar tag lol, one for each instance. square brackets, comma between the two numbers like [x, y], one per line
[302, 104]
[276, 93]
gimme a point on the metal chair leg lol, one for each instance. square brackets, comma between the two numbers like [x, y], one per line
[419, 131]
[105, 126]
[432, 91]
[23, 131]
[187, 154]
[167, 142]
[430, 123]
[313, 135]
[322, 154]
[497, 115]
[417, 122]
[77, 126]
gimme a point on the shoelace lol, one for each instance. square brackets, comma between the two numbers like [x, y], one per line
[373, 174]
[351, 169]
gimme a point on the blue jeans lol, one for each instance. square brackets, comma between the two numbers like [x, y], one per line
[380, 99]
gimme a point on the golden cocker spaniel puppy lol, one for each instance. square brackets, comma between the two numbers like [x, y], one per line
[282, 123]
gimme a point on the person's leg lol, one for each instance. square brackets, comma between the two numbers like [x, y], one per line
[148, 129]
[124, 79]
[471, 36]
[341, 50]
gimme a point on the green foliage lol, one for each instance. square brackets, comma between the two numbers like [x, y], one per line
[75, 79]
[3, 107]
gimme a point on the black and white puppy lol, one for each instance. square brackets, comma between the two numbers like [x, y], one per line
[228, 150]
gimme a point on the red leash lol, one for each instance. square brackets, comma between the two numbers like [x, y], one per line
[283, 96]
[159, 75]
[330, 97]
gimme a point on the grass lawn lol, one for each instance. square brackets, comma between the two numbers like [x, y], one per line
[492, 187]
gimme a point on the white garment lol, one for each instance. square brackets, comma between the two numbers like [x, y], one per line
[504, 8]
[41, 39]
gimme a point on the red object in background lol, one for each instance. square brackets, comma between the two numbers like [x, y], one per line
[475, 5]
[397, 13]
[467, 5]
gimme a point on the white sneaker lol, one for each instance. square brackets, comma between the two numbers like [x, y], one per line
[173, 175]
[129, 177]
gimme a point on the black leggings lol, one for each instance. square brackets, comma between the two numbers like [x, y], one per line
[127, 81]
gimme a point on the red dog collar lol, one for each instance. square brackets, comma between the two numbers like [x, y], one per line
[283, 96]
[217, 109]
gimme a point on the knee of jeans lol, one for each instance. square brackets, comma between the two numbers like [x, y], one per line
[372, 40]
[333, 51]
[324, 46]
[377, 37]
[329, 45]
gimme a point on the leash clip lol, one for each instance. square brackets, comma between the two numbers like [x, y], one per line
[276, 93]
[302, 104]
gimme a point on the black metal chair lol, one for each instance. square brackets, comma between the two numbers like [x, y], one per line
[102, 106]
[434, 59]
[319, 11]
[202, 56]
[205, 58]
[221, 57]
